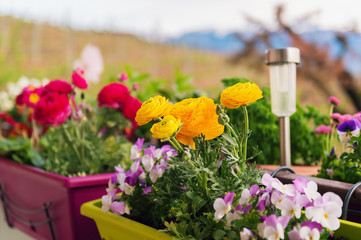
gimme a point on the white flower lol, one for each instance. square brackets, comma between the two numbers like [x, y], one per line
[245, 197]
[276, 199]
[288, 189]
[231, 217]
[106, 202]
[272, 233]
[246, 234]
[148, 162]
[325, 214]
[134, 152]
[110, 186]
[311, 191]
[155, 173]
[307, 234]
[221, 208]
[91, 61]
[289, 208]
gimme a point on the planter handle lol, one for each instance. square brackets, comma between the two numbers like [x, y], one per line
[6, 203]
[284, 168]
[347, 201]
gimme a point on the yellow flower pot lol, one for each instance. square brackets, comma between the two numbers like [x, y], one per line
[114, 227]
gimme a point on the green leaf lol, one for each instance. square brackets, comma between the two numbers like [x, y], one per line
[219, 234]
[229, 139]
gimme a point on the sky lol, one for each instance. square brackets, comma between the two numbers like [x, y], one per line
[170, 18]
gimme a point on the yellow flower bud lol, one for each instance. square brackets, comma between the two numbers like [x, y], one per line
[153, 108]
[165, 128]
[240, 94]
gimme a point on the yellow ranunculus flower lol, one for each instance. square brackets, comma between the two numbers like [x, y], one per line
[165, 128]
[198, 116]
[240, 94]
[153, 108]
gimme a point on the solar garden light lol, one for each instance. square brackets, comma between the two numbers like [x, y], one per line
[282, 65]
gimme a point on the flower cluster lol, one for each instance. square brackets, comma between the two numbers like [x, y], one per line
[210, 160]
[88, 139]
[347, 127]
[272, 210]
[148, 165]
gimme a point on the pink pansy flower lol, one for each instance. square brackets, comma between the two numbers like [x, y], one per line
[119, 208]
[147, 190]
[287, 189]
[290, 208]
[136, 149]
[294, 234]
[223, 205]
[267, 181]
[246, 234]
[326, 212]
[233, 215]
[78, 80]
[323, 129]
[274, 226]
[333, 100]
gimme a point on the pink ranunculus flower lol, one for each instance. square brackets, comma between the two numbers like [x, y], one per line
[52, 109]
[123, 77]
[357, 116]
[78, 80]
[113, 95]
[323, 129]
[135, 86]
[337, 118]
[334, 100]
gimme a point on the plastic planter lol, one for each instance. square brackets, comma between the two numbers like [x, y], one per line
[47, 205]
[112, 226]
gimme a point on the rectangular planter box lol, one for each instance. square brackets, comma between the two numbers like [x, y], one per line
[26, 189]
[112, 226]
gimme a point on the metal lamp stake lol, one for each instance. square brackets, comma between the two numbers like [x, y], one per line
[282, 63]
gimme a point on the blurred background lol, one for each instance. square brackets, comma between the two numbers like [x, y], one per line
[205, 40]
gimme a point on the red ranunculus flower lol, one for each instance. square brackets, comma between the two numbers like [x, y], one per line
[58, 86]
[52, 109]
[78, 80]
[131, 107]
[113, 95]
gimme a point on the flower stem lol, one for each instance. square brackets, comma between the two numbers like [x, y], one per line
[246, 127]
[70, 143]
[231, 130]
[176, 144]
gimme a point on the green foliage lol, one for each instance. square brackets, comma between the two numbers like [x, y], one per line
[93, 145]
[182, 199]
[20, 150]
[305, 148]
[346, 168]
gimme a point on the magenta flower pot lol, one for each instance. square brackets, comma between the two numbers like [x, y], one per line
[46, 205]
